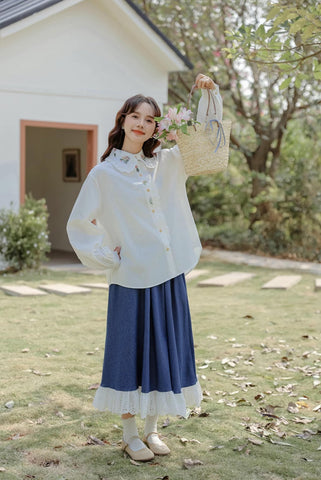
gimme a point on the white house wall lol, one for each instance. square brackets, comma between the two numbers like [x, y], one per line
[76, 66]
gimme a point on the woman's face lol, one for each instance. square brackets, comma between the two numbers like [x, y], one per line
[139, 126]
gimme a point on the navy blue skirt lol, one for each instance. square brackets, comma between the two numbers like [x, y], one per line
[149, 363]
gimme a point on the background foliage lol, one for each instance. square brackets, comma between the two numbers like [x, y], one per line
[268, 200]
[24, 234]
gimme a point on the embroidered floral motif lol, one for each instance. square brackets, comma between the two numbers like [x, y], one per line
[151, 201]
[126, 162]
[124, 159]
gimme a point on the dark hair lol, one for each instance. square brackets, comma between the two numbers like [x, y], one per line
[116, 135]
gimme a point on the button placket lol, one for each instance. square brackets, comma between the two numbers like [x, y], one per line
[153, 201]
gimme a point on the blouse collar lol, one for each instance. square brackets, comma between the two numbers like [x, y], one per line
[126, 162]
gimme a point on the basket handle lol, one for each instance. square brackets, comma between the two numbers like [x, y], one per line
[210, 98]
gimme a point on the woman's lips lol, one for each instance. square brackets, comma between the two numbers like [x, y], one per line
[138, 132]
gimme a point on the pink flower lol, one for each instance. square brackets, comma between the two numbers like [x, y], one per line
[186, 114]
[172, 113]
[164, 124]
[172, 135]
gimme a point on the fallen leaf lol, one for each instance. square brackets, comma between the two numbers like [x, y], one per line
[94, 386]
[166, 423]
[292, 407]
[248, 316]
[259, 397]
[41, 374]
[189, 463]
[302, 404]
[206, 393]
[135, 463]
[218, 447]
[303, 420]
[282, 444]
[25, 350]
[317, 408]
[307, 459]
[255, 441]
[2, 469]
[94, 441]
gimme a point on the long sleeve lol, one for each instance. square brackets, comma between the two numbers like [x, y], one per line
[215, 105]
[88, 239]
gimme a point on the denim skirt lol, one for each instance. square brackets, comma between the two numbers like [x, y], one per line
[149, 362]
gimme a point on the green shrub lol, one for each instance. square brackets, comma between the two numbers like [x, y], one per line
[24, 234]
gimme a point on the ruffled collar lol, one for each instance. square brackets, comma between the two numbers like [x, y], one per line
[127, 162]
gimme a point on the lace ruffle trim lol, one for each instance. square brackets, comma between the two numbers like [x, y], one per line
[152, 403]
[126, 162]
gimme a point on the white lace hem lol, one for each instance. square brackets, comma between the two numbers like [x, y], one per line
[152, 403]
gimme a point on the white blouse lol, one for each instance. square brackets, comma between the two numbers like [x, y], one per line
[139, 204]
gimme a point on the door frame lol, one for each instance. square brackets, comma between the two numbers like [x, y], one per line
[92, 139]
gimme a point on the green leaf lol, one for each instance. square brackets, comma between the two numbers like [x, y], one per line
[317, 75]
[285, 83]
[273, 12]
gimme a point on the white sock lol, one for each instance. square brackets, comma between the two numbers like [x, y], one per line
[151, 426]
[130, 434]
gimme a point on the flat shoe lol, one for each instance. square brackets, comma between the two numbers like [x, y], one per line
[142, 455]
[154, 447]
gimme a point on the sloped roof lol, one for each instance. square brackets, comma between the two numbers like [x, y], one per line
[12, 11]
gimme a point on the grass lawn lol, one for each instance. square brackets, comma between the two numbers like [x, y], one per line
[258, 360]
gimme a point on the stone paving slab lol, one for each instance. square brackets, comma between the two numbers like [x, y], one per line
[64, 289]
[226, 279]
[318, 283]
[103, 286]
[197, 272]
[283, 282]
[21, 290]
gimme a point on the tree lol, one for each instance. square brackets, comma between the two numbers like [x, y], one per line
[252, 95]
[289, 40]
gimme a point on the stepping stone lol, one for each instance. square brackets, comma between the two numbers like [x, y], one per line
[197, 272]
[21, 290]
[226, 280]
[283, 282]
[318, 283]
[64, 289]
[103, 286]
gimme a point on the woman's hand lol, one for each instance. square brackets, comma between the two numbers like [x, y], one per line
[203, 81]
[118, 249]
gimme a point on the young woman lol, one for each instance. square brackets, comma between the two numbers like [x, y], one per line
[132, 219]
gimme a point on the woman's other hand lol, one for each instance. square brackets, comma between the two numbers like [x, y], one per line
[203, 81]
[118, 249]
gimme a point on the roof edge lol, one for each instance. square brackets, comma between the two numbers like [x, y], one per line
[152, 25]
[28, 13]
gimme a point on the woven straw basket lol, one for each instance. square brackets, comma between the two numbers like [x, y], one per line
[201, 152]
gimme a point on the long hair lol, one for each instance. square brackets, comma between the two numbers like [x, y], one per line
[116, 135]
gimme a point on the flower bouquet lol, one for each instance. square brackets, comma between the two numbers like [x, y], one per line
[177, 119]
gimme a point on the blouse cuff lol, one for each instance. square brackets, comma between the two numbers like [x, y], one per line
[105, 257]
